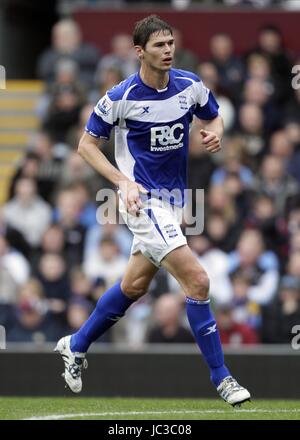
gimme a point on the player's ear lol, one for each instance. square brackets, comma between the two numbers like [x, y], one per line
[140, 52]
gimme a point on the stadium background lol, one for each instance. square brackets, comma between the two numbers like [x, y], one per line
[56, 260]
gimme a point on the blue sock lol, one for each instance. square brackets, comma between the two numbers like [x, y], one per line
[205, 331]
[110, 307]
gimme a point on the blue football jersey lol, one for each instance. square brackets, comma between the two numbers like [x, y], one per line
[152, 127]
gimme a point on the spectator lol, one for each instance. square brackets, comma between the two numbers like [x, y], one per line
[53, 276]
[122, 57]
[272, 181]
[64, 110]
[87, 208]
[292, 108]
[251, 128]
[283, 313]
[106, 262]
[76, 170]
[53, 242]
[67, 44]
[81, 181]
[14, 271]
[259, 68]
[270, 44]
[78, 312]
[106, 79]
[293, 265]
[75, 133]
[258, 92]
[27, 212]
[221, 232]
[14, 238]
[292, 130]
[263, 216]
[282, 146]
[167, 326]
[27, 167]
[240, 195]
[66, 75]
[210, 76]
[81, 286]
[294, 242]
[244, 310]
[67, 215]
[220, 202]
[231, 332]
[134, 330]
[184, 58]
[293, 220]
[233, 161]
[259, 265]
[110, 225]
[229, 66]
[50, 164]
[32, 323]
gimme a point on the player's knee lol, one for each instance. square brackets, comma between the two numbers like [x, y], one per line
[198, 285]
[133, 290]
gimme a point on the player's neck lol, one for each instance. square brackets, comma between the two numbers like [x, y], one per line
[154, 78]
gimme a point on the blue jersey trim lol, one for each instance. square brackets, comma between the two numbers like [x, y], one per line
[179, 80]
[117, 92]
[96, 127]
[209, 110]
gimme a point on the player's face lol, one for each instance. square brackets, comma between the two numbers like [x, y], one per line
[159, 51]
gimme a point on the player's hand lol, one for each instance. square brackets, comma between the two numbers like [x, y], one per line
[211, 141]
[130, 193]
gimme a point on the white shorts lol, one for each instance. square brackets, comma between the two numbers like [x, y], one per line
[157, 229]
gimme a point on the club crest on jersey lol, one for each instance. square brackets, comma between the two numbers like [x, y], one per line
[183, 102]
[104, 106]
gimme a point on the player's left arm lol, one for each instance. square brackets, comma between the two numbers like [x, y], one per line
[212, 134]
[207, 111]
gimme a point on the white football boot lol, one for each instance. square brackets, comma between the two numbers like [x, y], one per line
[232, 392]
[74, 363]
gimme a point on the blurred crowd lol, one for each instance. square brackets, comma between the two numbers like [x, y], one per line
[56, 260]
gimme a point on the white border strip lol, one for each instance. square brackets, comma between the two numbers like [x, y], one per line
[140, 413]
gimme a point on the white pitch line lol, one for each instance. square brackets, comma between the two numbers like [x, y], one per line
[140, 413]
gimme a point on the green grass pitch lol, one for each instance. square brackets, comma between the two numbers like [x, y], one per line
[74, 408]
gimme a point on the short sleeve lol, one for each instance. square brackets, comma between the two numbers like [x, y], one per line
[103, 118]
[206, 105]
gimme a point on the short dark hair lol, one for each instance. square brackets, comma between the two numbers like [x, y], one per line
[146, 27]
[270, 27]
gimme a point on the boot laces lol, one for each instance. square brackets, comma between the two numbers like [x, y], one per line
[76, 368]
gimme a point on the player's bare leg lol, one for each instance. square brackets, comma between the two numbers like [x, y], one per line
[110, 308]
[138, 275]
[184, 266]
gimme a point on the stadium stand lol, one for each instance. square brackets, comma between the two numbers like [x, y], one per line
[17, 123]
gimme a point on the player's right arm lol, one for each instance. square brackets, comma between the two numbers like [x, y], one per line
[99, 126]
[89, 150]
